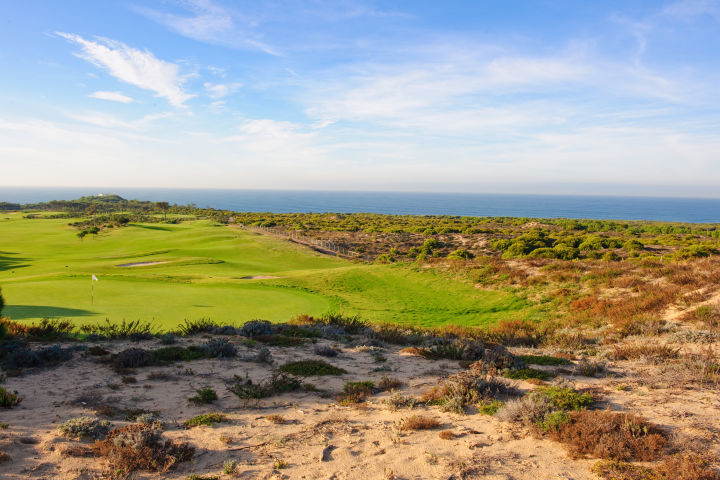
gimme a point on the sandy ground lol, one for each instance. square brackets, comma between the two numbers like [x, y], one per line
[320, 439]
[141, 264]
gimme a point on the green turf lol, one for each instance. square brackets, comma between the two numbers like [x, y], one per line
[45, 272]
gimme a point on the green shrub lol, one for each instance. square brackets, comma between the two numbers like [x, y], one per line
[205, 419]
[527, 373]
[278, 383]
[309, 368]
[566, 398]
[543, 360]
[85, 427]
[553, 421]
[460, 254]
[178, 354]
[9, 399]
[489, 407]
[204, 395]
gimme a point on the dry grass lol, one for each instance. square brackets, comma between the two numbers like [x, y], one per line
[276, 419]
[419, 422]
[447, 435]
[652, 352]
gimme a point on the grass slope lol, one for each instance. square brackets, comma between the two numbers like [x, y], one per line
[45, 272]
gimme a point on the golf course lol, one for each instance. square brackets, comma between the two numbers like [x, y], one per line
[165, 273]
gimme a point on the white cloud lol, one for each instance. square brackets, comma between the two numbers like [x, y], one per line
[139, 68]
[112, 96]
[210, 23]
[101, 119]
[220, 90]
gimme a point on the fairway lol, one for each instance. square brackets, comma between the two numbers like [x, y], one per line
[165, 273]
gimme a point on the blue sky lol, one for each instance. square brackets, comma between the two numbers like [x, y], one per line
[471, 96]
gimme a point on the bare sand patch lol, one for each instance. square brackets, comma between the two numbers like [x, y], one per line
[141, 264]
[258, 277]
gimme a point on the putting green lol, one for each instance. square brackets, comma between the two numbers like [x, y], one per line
[165, 273]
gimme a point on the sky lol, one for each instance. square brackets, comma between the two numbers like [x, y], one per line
[611, 97]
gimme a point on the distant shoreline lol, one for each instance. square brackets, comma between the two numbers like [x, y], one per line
[669, 209]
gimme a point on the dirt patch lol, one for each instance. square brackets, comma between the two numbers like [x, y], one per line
[258, 277]
[141, 264]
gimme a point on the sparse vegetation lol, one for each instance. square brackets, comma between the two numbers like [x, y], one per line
[310, 368]
[203, 396]
[207, 419]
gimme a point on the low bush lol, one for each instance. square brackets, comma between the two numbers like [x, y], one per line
[9, 399]
[276, 340]
[566, 398]
[276, 419]
[85, 427]
[203, 395]
[178, 354]
[254, 328]
[527, 373]
[610, 435]
[309, 368]
[397, 401]
[207, 419]
[325, 351]
[219, 348]
[133, 358]
[489, 407]
[134, 330]
[687, 466]
[278, 383]
[356, 392]
[652, 352]
[543, 360]
[193, 327]
[45, 330]
[140, 447]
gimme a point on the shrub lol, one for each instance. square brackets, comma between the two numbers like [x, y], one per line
[528, 410]
[654, 352]
[543, 360]
[135, 329]
[610, 435]
[8, 399]
[46, 329]
[566, 398]
[489, 407]
[278, 383]
[396, 401]
[140, 447]
[386, 383]
[203, 395]
[309, 368]
[447, 435]
[85, 427]
[589, 367]
[219, 348]
[204, 419]
[229, 467]
[254, 328]
[325, 351]
[179, 354]
[467, 388]
[275, 340]
[460, 254]
[356, 392]
[193, 327]
[419, 422]
[527, 373]
[133, 358]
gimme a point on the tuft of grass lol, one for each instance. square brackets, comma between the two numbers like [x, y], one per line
[309, 368]
[447, 435]
[193, 327]
[208, 419]
[275, 418]
[203, 395]
[229, 467]
[419, 422]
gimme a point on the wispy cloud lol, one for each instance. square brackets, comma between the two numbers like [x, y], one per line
[101, 119]
[112, 96]
[136, 67]
[220, 90]
[211, 23]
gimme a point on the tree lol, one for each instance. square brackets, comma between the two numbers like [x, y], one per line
[163, 207]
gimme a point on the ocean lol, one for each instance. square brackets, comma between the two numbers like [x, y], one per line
[695, 210]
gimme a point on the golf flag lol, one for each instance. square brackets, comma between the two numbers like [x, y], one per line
[93, 279]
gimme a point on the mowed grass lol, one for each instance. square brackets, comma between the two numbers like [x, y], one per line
[45, 272]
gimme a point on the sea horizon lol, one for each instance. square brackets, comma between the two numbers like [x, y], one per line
[601, 207]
